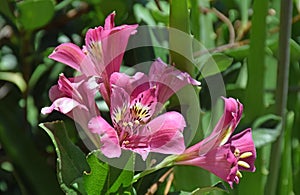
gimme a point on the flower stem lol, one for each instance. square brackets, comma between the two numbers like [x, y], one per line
[282, 90]
[167, 162]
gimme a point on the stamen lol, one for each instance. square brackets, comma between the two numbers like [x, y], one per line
[237, 152]
[246, 155]
[239, 174]
[243, 164]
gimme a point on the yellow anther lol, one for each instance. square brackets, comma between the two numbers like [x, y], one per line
[125, 124]
[137, 122]
[239, 174]
[243, 164]
[225, 136]
[126, 142]
[246, 155]
[237, 152]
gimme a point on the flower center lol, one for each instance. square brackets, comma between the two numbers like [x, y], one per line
[242, 156]
[128, 119]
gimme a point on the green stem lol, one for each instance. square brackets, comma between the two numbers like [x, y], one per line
[282, 90]
[179, 37]
[256, 61]
[167, 162]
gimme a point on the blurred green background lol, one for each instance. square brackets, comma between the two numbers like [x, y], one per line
[256, 45]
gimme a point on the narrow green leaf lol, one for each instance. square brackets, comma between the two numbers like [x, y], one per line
[206, 190]
[160, 15]
[35, 13]
[71, 161]
[94, 180]
[256, 61]
[286, 175]
[180, 40]
[217, 187]
[15, 78]
[294, 49]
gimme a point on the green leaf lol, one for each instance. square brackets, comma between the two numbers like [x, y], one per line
[160, 15]
[217, 187]
[269, 118]
[263, 135]
[238, 53]
[71, 161]
[142, 14]
[106, 179]
[294, 50]
[35, 13]
[214, 64]
[94, 181]
[205, 190]
[15, 78]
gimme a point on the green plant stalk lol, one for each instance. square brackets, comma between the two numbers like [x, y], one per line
[179, 37]
[167, 162]
[286, 172]
[281, 92]
[256, 61]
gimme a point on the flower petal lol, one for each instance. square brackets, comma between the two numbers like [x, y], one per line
[244, 143]
[109, 21]
[106, 46]
[119, 98]
[69, 54]
[63, 105]
[133, 85]
[168, 79]
[108, 136]
[219, 161]
[165, 133]
[226, 125]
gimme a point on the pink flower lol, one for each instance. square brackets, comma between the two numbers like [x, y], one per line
[134, 129]
[221, 154]
[103, 51]
[134, 108]
[75, 98]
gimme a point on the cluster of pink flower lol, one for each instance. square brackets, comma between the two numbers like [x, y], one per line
[135, 102]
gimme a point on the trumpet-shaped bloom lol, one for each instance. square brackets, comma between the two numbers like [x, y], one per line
[220, 153]
[103, 51]
[75, 98]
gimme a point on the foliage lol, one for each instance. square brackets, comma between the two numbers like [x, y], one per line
[243, 39]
